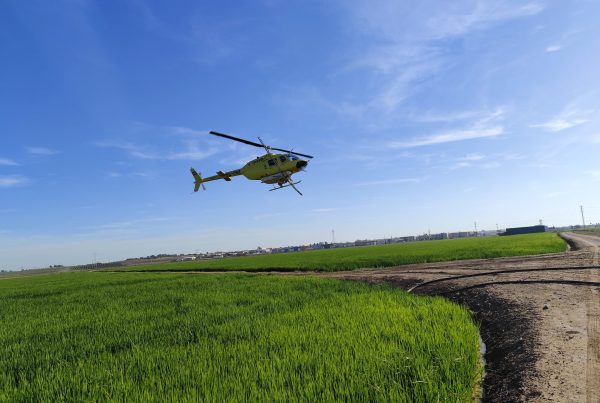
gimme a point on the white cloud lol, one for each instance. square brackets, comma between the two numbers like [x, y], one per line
[461, 17]
[553, 48]
[491, 165]
[485, 127]
[434, 20]
[131, 225]
[41, 151]
[472, 157]
[392, 181]
[559, 124]
[190, 151]
[323, 210]
[440, 117]
[5, 161]
[408, 40]
[475, 160]
[13, 180]
[459, 165]
[568, 118]
[187, 131]
[449, 137]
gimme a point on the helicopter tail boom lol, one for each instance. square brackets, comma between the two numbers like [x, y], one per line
[199, 180]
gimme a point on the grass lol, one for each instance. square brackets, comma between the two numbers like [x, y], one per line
[377, 256]
[236, 337]
[589, 229]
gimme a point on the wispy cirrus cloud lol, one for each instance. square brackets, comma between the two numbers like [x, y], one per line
[392, 181]
[407, 41]
[475, 160]
[568, 118]
[131, 175]
[486, 127]
[190, 147]
[131, 226]
[433, 20]
[559, 124]
[554, 48]
[8, 162]
[472, 157]
[324, 210]
[41, 151]
[13, 181]
[191, 151]
[449, 137]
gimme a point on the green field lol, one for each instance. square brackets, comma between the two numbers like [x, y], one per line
[593, 230]
[229, 337]
[378, 256]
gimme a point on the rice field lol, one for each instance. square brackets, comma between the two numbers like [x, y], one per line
[229, 337]
[377, 256]
[589, 230]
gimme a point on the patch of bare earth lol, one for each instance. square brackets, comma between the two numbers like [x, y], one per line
[541, 327]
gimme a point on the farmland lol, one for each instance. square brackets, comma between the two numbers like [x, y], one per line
[377, 256]
[589, 230]
[169, 336]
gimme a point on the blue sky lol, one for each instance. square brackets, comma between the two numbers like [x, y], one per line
[421, 115]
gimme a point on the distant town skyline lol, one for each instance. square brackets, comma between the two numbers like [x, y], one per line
[422, 116]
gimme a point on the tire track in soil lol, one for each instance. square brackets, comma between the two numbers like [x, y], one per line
[593, 333]
[593, 325]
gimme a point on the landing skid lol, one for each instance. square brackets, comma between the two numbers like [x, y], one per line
[290, 183]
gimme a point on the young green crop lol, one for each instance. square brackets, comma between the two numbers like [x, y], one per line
[377, 256]
[591, 230]
[173, 337]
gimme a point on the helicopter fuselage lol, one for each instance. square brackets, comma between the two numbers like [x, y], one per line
[272, 168]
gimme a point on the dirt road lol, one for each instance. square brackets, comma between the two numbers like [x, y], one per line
[539, 317]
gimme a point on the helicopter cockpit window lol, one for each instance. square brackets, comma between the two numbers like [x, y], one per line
[271, 162]
[293, 157]
[282, 158]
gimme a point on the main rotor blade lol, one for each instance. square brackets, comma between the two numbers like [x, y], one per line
[292, 152]
[252, 143]
[227, 136]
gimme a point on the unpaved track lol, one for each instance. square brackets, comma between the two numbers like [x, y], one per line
[541, 327]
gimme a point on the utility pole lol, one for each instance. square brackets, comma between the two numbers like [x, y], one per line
[582, 218]
[332, 236]
[475, 228]
[541, 222]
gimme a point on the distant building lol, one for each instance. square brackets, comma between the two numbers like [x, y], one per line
[524, 230]
[186, 258]
[461, 234]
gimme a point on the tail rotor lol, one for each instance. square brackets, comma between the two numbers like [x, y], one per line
[197, 180]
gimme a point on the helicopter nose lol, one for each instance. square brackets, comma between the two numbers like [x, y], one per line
[301, 164]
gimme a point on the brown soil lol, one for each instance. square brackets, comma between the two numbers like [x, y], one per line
[541, 327]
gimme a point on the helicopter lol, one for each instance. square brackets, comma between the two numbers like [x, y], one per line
[273, 169]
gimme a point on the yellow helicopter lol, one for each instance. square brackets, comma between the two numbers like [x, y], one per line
[274, 169]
